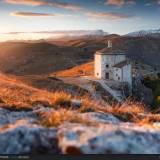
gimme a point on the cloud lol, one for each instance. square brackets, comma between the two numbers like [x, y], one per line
[51, 3]
[108, 15]
[26, 2]
[131, 2]
[31, 14]
[120, 3]
[151, 3]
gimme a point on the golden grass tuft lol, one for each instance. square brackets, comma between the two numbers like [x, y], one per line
[150, 118]
[58, 117]
[127, 111]
[61, 99]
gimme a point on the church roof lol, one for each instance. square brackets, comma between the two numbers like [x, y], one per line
[121, 64]
[110, 51]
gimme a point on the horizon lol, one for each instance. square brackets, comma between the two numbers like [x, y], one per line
[112, 16]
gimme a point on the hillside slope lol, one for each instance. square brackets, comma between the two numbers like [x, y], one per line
[38, 58]
[36, 121]
[48, 57]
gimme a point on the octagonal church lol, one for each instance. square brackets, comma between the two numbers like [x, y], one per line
[112, 64]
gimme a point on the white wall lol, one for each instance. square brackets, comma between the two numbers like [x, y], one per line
[111, 60]
[97, 66]
[117, 74]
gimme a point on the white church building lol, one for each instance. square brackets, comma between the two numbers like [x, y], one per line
[112, 64]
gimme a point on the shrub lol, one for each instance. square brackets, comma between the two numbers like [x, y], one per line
[61, 99]
[58, 117]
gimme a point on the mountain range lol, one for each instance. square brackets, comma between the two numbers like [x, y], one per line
[140, 33]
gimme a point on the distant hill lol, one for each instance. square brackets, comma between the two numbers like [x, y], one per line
[46, 57]
[153, 33]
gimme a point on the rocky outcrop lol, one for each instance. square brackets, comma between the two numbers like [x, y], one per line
[21, 133]
[23, 137]
[10, 117]
[95, 117]
[104, 139]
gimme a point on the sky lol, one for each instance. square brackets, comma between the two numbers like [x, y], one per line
[113, 16]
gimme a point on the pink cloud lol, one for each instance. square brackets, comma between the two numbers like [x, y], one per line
[31, 14]
[115, 2]
[108, 15]
[120, 3]
[54, 3]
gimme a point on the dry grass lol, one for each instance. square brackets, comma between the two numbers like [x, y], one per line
[127, 107]
[15, 93]
[18, 96]
[127, 111]
[84, 69]
[58, 117]
[61, 99]
[150, 118]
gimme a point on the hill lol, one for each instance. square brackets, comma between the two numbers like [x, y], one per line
[38, 58]
[36, 121]
[47, 57]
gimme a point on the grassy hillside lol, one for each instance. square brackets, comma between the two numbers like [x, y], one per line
[38, 58]
[86, 69]
[47, 57]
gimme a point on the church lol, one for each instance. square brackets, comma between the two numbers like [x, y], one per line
[112, 64]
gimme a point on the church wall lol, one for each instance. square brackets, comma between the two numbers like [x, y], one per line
[117, 74]
[110, 60]
[97, 65]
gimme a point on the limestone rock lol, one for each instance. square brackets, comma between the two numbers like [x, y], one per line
[23, 137]
[103, 139]
[99, 117]
[10, 117]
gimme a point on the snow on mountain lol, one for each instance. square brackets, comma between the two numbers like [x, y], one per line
[155, 32]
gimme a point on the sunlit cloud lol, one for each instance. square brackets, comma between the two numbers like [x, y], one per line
[31, 14]
[108, 15]
[51, 3]
[26, 2]
[115, 2]
[120, 3]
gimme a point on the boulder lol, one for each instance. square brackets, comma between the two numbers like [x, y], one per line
[10, 117]
[24, 137]
[100, 117]
[124, 138]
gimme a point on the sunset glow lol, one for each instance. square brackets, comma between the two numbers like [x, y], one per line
[112, 16]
